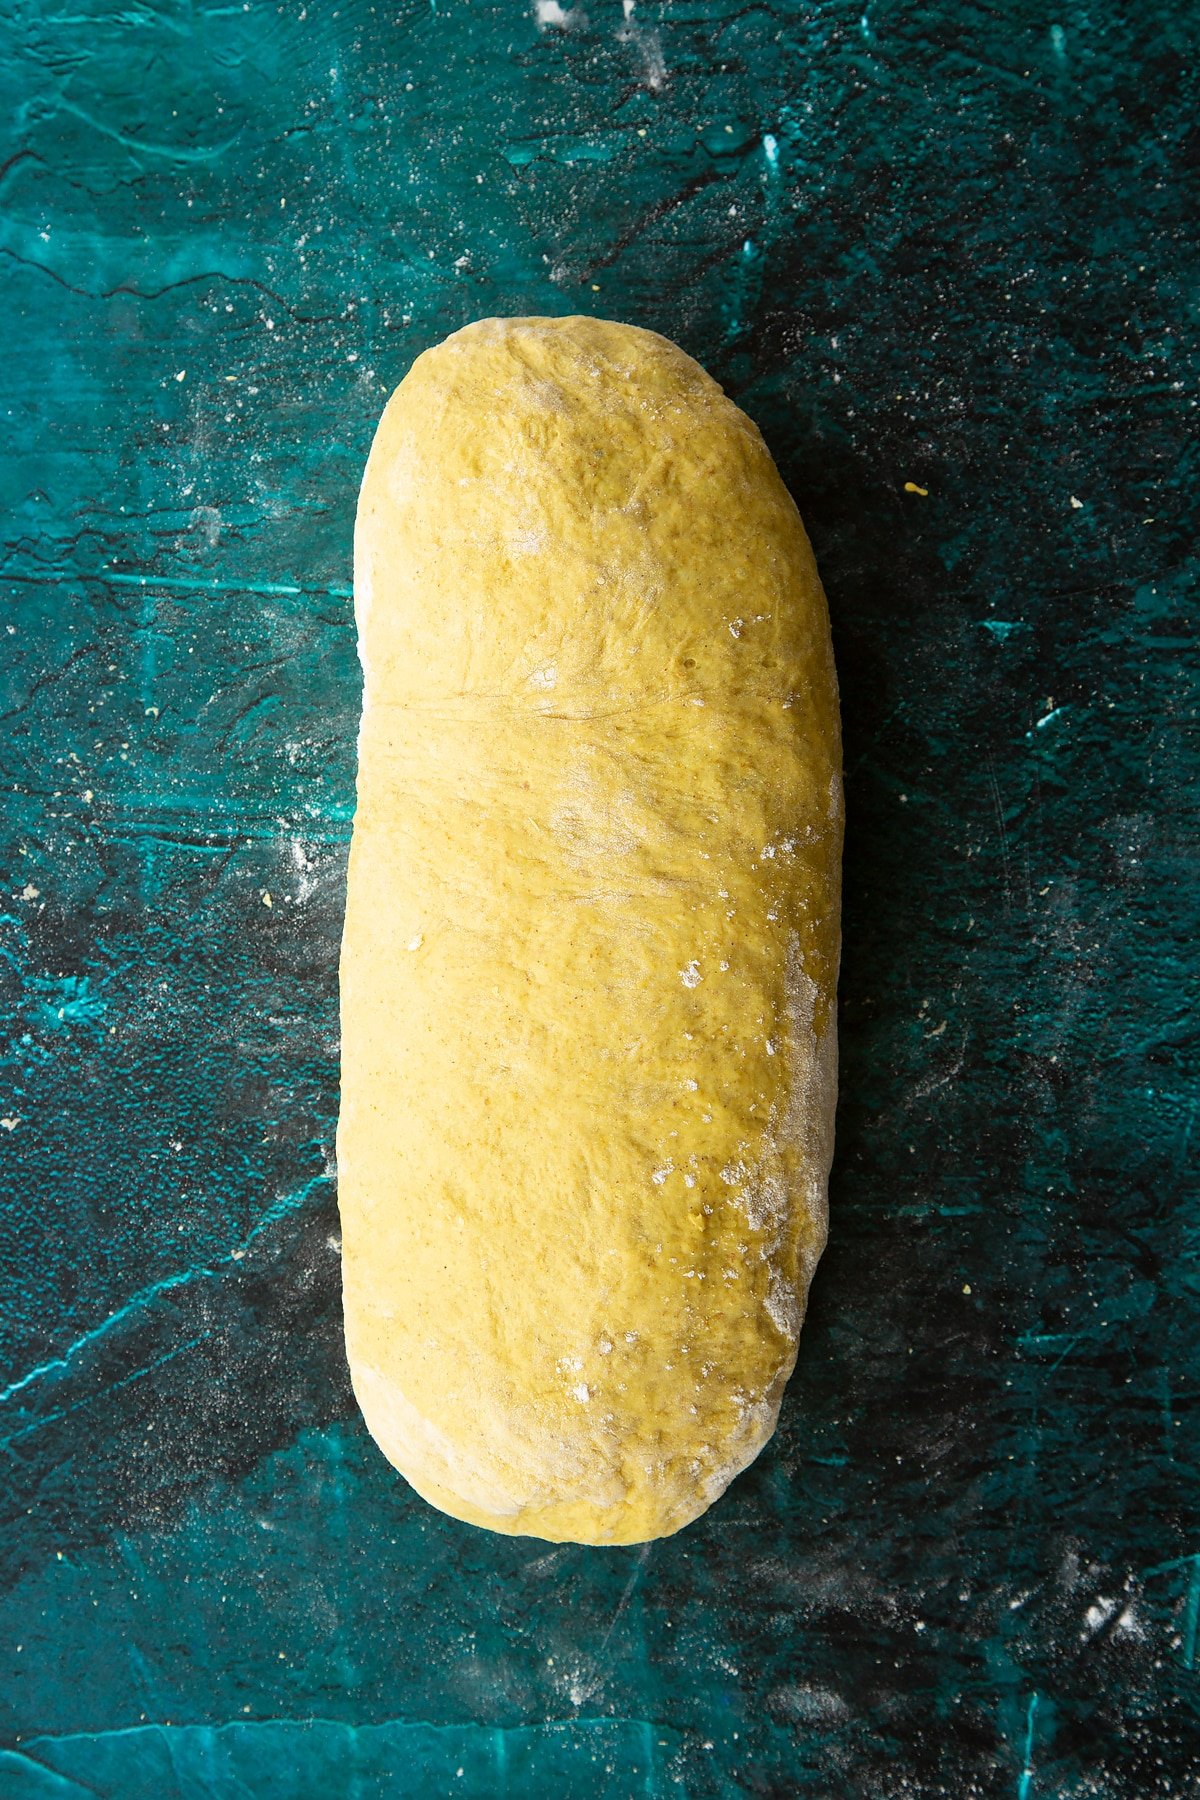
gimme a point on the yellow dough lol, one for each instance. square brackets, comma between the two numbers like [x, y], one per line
[590, 958]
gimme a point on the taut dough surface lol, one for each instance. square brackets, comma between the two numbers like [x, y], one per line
[590, 957]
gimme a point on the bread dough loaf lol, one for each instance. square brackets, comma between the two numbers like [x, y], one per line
[592, 934]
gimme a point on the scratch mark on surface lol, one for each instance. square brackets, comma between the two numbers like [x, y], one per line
[183, 584]
[169, 287]
[652, 215]
[585, 1691]
[1025, 1784]
[114, 1387]
[290, 1203]
[49, 1780]
[172, 152]
[1191, 1616]
[995, 787]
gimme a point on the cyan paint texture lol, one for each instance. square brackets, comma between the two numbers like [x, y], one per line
[946, 255]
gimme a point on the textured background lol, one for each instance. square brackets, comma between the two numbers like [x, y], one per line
[947, 244]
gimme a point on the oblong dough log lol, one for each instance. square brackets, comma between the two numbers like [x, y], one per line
[590, 957]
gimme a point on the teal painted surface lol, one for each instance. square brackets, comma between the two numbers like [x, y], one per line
[931, 244]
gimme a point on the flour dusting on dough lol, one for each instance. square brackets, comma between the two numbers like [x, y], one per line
[811, 1113]
[518, 1463]
[411, 1440]
[784, 1195]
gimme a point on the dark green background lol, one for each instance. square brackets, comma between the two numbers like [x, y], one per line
[947, 244]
